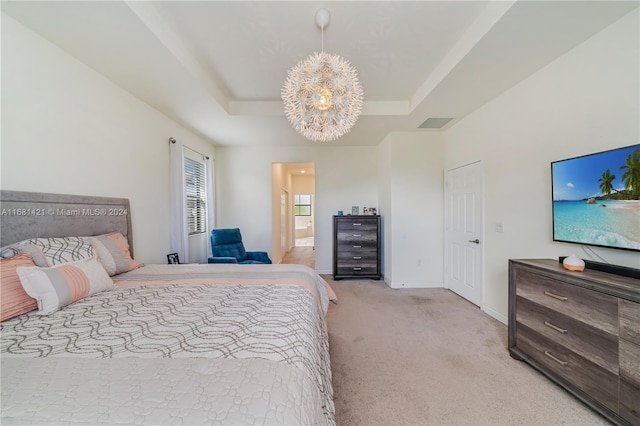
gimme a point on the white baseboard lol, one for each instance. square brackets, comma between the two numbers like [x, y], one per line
[495, 314]
[416, 285]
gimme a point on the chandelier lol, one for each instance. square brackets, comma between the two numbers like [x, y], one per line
[322, 95]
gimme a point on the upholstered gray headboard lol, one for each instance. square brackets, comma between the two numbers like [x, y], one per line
[26, 215]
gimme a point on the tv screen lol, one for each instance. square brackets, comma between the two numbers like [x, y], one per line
[596, 199]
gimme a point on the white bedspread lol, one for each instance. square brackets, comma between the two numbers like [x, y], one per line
[172, 354]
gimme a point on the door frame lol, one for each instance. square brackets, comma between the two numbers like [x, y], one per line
[285, 232]
[447, 268]
[280, 180]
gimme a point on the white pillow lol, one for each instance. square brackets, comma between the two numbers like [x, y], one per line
[63, 284]
[51, 251]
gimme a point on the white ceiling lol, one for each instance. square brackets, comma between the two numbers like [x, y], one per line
[217, 67]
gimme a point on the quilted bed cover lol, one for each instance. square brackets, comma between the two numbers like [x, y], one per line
[176, 344]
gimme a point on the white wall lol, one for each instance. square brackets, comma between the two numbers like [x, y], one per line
[345, 176]
[303, 184]
[584, 102]
[67, 129]
[413, 217]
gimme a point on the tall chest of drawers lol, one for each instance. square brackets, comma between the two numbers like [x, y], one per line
[581, 330]
[356, 247]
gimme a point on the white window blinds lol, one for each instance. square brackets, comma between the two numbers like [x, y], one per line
[196, 195]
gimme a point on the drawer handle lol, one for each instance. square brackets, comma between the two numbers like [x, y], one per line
[555, 327]
[357, 269]
[357, 235]
[357, 246]
[555, 296]
[357, 224]
[559, 361]
[357, 257]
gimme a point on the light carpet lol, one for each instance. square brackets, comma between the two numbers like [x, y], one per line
[305, 255]
[429, 357]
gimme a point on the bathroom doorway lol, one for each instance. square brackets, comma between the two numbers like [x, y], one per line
[303, 220]
[297, 182]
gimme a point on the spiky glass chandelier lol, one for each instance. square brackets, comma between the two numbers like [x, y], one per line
[322, 95]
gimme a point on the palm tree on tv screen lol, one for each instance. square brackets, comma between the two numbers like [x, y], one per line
[631, 176]
[606, 182]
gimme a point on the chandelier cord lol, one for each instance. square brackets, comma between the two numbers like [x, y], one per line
[322, 36]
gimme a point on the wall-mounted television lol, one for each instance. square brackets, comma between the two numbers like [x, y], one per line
[596, 199]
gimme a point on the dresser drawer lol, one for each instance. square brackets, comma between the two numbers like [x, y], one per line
[360, 269]
[361, 256]
[596, 309]
[598, 383]
[592, 343]
[355, 243]
[357, 225]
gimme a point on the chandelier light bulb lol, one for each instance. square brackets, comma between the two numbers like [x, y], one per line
[324, 99]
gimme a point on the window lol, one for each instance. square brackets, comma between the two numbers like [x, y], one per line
[196, 194]
[302, 204]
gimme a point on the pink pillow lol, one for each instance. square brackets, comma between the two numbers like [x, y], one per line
[14, 300]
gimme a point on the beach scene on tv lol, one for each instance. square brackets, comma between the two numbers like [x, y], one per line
[596, 199]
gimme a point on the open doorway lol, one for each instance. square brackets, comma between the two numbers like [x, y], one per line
[294, 231]
[303, 220]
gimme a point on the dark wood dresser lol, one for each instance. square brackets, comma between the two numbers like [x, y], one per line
[581, 330]
[356, 247]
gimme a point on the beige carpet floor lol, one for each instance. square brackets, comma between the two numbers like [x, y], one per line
[304, 255]
[429, 357]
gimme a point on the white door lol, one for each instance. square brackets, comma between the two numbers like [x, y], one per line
[463, 232]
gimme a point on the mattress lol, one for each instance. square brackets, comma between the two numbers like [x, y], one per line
[176, 344]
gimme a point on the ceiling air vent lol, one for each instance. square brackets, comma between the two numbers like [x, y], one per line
[435, 123]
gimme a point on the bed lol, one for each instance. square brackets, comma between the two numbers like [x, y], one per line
[158, 344]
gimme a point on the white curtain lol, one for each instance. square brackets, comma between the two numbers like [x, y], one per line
[179, 232]
[211, 196]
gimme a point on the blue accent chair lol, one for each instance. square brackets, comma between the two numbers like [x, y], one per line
[227, 247]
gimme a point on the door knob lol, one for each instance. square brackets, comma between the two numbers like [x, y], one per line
[477, 241]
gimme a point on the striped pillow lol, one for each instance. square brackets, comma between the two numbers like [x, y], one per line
[13, 299]
[64, 284]
[113, 252]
